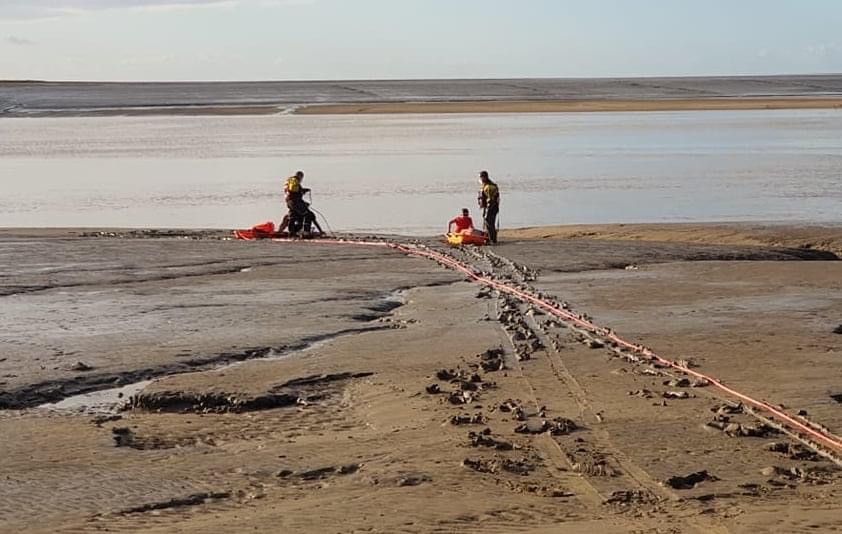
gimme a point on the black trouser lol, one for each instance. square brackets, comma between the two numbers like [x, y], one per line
[490, 219]
[300, 216]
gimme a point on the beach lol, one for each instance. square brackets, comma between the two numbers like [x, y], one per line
[330, 387]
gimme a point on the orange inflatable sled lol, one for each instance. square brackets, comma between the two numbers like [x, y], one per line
[259, 231]
[467, 239]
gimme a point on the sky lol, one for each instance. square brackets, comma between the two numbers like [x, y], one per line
[175, 40]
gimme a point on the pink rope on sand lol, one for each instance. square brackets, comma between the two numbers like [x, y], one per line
[805, 430]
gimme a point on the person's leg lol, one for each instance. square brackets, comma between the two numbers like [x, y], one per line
[491, 222]
[309, 217]
[297, 214]
[284, 223]
[295, 224]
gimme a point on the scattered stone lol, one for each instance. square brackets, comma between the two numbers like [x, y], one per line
[484, 439]
[412, 480]
[838, 329]
[476, 419]
[511, 406]
[492, 360]
[644, 393]
[676, 395]
[595, 467]
[690, 481]
[433, 389]
[81, 366]
[631, 497]
[595, 344]
[728, 409]
[446, 374]
[556, 427]
[462, 397]
[678, 383]
[493, 466]
[348, 469]
[760, 430]
[793, 451]
[686, 363]
[769, 471]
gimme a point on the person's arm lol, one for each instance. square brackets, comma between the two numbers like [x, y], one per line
[449, 224]
[470, 223]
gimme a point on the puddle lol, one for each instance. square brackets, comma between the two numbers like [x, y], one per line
[103, 401]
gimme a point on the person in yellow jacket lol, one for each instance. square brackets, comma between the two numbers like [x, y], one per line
[489, 202]
[299, 218]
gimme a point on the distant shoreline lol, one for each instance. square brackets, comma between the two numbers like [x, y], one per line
[572, 106]
[525, 95]
[451, 107]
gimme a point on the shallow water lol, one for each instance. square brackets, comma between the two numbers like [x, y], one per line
[411, 173]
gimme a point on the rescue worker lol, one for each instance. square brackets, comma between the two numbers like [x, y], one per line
[463, 223]
[489, 201]
[300, 218]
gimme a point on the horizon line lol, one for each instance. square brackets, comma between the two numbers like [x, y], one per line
[433, 79]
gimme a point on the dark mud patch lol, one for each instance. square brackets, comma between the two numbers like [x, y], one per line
[52, 391]
[195, 499]
[320, 473]
[689, 481]
[211, 402]
[298, 391]
[126, 437]
[321, 379]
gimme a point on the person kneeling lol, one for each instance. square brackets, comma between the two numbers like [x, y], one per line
[463, 225]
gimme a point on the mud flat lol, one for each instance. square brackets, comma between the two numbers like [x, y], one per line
[470, 412]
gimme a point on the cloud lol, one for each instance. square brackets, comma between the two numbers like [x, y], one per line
[41, 9]
[18, 41]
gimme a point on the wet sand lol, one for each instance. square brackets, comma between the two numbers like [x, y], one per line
[458, 410]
